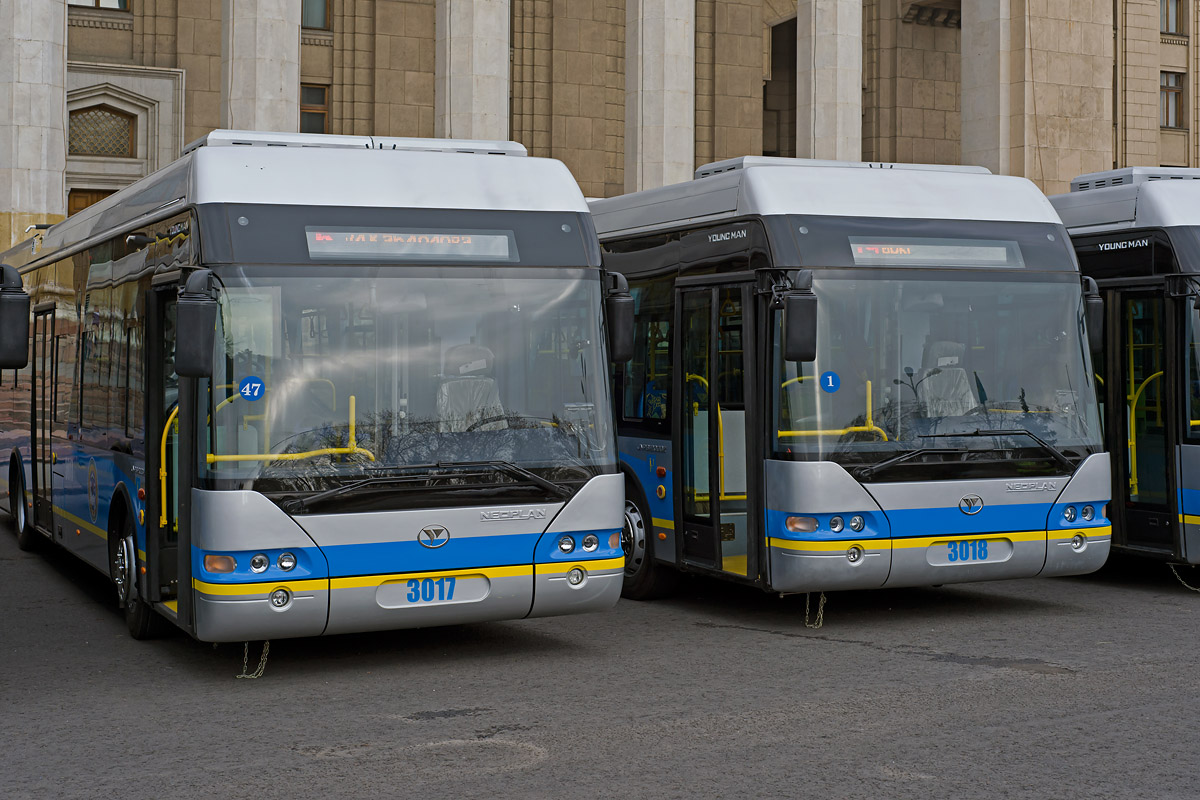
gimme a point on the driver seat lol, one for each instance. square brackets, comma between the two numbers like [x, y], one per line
[942, 385]
[468, 393]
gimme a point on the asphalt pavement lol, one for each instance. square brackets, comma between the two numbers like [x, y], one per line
[1070, 687]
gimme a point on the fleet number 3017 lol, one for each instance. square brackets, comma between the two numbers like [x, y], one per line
[428, 590]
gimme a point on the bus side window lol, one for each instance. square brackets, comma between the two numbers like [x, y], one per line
[647, 382]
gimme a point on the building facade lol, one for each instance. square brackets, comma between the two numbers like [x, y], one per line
[630, 94]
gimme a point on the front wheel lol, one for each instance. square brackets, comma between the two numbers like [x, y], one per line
[141, 620]
[644, 578]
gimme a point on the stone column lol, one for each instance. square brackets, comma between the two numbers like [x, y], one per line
[660, 86]
[1037, 88]
[260, 65]
[471, 64]
[33, 115]
[829, 57]
[986, 85]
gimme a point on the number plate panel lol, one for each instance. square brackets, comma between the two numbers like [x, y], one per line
[440, 591]
[968, 551]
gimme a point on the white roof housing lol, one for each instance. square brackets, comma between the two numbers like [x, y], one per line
[318, 170]
[1134, 197]
[767, 186]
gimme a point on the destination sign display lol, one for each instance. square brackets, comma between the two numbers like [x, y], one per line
[410, 244]
[920, 252]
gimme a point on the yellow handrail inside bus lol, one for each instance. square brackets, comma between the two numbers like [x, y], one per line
[162, 468]
[870, 427]
[797, 379]
[1133, 475]
[720, 450]
[350, 449]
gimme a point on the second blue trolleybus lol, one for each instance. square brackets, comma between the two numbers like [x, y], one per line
[850, 376]
[1137, 233]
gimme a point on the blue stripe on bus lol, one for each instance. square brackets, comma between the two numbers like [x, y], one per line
[373, 558]
[548, 550]
[911, 522]
[1189, 501]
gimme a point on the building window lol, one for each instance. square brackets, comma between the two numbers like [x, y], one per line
[116, 5]
[1171, 100]
[314, 108]
[1172, 16]
[101, 131]
[315, 14]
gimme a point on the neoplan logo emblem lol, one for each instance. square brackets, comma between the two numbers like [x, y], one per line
[971, 504]
[433, 536]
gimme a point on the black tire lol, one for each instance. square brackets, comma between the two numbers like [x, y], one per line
[645, 579]
[142, 621]
[27, 539]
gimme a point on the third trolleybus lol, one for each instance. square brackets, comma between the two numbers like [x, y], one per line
[854, 375]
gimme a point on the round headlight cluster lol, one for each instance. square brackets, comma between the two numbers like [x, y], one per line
[1088, 513]
[838, 523]
[566, 544]
[1069, 513]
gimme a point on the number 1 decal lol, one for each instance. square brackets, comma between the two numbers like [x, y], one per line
[830, 382]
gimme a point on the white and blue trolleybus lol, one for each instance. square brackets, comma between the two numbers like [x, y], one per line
[851, 375]
[1137, 233]
[294, 385]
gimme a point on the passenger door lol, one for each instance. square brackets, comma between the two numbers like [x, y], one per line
[715, 418]
[43, 415]
[1140, 411]
[162, 439]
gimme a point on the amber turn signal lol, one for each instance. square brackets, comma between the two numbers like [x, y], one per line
[219, 564]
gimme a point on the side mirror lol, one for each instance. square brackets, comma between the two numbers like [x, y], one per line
[800, 326]
[196, 327]
[14, 320]
[618, 310]
[1093, 311]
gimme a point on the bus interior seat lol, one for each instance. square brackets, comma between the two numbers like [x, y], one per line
[942, 385]
[468, 394]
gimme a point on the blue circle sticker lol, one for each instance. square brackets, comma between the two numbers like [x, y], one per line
[251, 387]
[830, 382]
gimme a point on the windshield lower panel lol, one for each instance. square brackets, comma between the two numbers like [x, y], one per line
[984, 375]
[328, 379]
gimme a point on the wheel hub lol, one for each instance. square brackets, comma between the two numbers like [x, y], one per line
[123, 569]
[633, 538]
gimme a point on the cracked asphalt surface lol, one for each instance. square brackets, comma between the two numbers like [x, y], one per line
[1079, 687]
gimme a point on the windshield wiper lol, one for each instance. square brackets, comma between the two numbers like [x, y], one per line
[1055, 453]
[426, 473]
[868, 472]
[301, 503]
[514, 471]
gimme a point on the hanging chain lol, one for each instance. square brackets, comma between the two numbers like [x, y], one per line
[820, 620]
[1179, 578]
[262, 662]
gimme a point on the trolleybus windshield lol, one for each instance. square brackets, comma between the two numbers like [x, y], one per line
[323, 378]
[908, 356]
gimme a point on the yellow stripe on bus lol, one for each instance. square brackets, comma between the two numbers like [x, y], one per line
[663, 523]
[266, 587]
[904, 543]
[591, 566]
[1189, 519]
[87, 526]
[373, 581]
